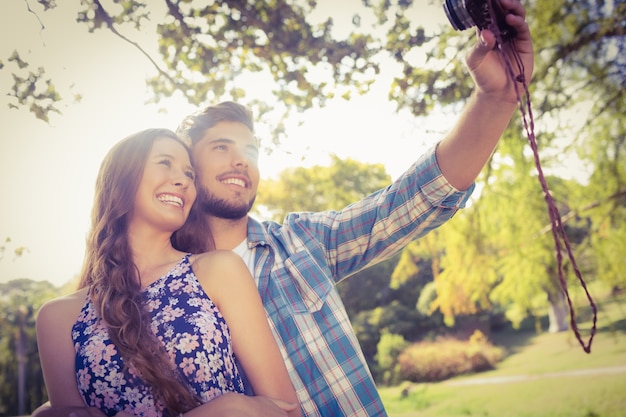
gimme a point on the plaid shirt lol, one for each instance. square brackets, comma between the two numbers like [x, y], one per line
[298, 263]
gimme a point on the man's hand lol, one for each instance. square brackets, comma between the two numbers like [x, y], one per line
[485, 64]
[272, 407]
[462, 154]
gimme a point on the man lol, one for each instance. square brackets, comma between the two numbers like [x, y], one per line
[297, 264]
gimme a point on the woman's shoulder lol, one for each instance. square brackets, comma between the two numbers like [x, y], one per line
[218, 270]
[63, 308]
[215, 260]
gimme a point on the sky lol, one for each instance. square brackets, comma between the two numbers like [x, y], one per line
[48, 170]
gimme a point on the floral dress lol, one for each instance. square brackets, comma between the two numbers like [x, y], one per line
[190, 326]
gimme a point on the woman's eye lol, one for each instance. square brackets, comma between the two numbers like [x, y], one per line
[165, 162]
[190, 174]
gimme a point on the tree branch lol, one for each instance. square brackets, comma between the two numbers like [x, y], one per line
[110, 24]
[571, 214]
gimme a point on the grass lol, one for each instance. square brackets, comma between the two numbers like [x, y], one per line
[590, 396]
[549, 379]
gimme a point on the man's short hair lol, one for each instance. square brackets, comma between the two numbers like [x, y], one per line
[194, 126]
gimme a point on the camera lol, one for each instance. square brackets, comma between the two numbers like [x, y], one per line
[464, 14]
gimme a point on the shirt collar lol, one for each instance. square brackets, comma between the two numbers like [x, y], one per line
[257, 234]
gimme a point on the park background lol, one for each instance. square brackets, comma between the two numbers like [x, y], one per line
[343, 108]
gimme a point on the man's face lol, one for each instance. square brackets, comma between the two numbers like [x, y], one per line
[226, 161]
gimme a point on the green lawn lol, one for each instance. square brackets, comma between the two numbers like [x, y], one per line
[549, 378]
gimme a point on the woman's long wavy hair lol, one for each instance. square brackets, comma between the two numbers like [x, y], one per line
[113, 278]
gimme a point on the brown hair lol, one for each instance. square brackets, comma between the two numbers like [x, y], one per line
[193, 127]
[113, 277]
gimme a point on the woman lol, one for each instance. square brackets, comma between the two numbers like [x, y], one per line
[146, 334]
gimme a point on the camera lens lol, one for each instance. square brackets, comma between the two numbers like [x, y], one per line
[463, 14]
[457, 14]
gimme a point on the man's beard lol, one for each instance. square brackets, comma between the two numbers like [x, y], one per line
[210, 204]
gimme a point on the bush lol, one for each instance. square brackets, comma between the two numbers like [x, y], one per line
[446, 358]
[394, 318]
[388, 349]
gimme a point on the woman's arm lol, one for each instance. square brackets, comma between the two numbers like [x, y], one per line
[239, 405]
[56, 349]
[45, 410]
[228, 282]
[230, 404]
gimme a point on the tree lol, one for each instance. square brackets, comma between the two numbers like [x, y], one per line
[496, 252]
[205, 49]
[17, 251]
[321, 187]
[21, 379]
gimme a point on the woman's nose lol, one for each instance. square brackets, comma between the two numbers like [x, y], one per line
[182, 180]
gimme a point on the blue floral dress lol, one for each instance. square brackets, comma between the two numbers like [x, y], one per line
[190, 326]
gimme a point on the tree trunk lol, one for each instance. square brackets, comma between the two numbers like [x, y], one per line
[20, 345]
[557, 313]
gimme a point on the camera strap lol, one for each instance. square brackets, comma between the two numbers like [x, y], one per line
[508, 49]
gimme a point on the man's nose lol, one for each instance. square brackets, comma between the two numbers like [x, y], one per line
[241, 159]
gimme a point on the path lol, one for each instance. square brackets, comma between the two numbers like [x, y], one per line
[518, 378]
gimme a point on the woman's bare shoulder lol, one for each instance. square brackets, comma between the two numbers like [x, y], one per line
[216, 261]
[66, 307]
[220, 269]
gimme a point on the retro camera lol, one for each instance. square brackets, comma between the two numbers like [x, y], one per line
[463, 14]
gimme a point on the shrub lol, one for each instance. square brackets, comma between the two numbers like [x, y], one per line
[446, 358]
[388, 349]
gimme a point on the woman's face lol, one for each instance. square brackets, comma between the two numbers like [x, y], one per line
[166, 190]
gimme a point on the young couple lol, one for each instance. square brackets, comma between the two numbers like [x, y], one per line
[158, 325]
